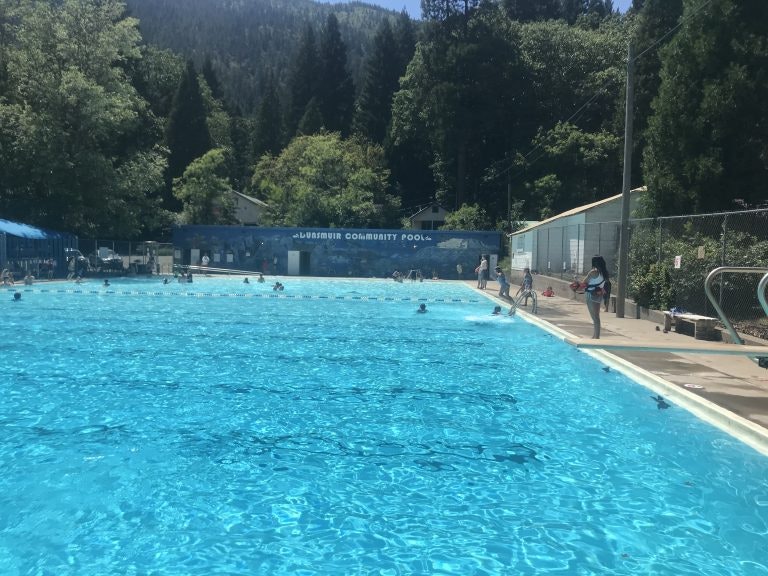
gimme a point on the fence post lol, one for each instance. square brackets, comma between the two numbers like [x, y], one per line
[722, 258]
[600, 238]
[579, 255]
[661, 240]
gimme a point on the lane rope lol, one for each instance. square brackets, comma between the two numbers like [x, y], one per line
[256, 295]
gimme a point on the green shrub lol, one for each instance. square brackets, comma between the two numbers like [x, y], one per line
[653, 289]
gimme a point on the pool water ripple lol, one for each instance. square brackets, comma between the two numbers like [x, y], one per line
[166, 435]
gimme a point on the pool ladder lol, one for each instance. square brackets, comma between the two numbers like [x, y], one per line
[527, 293]
[761, 360]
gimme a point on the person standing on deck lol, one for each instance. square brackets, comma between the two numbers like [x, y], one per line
[593, 293]
[482, 274]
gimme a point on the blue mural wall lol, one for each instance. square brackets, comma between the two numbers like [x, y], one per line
[335, 251]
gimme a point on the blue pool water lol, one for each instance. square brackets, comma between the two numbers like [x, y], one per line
[215, 428]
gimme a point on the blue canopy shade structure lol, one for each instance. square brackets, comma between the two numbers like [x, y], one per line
[31, 232]
[26, 249]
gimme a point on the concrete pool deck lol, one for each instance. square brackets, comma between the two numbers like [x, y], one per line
[731, 391]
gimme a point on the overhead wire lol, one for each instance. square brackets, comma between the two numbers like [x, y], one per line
[600, 90]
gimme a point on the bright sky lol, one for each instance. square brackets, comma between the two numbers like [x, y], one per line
[413, 7]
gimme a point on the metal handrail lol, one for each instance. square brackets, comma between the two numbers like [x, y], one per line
[204, 269]
[760, 294]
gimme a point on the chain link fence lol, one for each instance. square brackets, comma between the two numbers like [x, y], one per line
[669, 259]
[127, 257]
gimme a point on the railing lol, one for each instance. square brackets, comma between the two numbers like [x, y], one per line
[206, 269]
[760, 294]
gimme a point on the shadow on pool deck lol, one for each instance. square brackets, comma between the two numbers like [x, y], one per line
[734, 383]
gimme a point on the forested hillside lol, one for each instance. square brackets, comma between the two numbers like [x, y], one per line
[118, 121]
[247, 41]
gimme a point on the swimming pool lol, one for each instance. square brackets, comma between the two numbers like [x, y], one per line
[222, 428]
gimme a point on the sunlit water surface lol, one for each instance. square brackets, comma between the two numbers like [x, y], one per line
[223, 428]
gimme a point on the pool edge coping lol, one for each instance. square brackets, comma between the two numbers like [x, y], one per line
[744, 430]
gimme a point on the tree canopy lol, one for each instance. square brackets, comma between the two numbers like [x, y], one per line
[77, 142]
[324, 180]
[488, 104]
[707, 139]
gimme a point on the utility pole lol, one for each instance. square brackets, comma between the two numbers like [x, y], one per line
[509, 200]
[626, 185]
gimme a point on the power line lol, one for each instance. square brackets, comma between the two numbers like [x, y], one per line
[675, 27]
[600, 90]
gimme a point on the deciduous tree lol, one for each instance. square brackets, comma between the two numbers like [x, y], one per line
[325, 181]
[204, 192]
[77, 145]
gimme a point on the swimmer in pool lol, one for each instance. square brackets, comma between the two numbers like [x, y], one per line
[661, 404]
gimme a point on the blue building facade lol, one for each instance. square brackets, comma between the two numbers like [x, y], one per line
[335, 252]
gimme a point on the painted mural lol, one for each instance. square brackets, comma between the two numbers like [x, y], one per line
[335, 252]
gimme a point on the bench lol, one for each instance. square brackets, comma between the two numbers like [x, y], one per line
[700, 327]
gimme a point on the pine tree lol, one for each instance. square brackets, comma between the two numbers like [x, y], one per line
[405, 40]
[303, 80]
[444, 10]
[532, 10]
[187, 134]
[572, 9]
[312, 121]
[382, 71]
[336, 92]
[211, 79]
[655, 20]
[596, 8]
[268, 129]
[707, 138]
[240, 158]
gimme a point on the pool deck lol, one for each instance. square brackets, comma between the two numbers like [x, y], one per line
[729, 390]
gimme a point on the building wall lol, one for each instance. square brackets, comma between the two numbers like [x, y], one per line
[335, 252]
[553, 247]
[566, 245]
[246, 212]
[429, 219]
